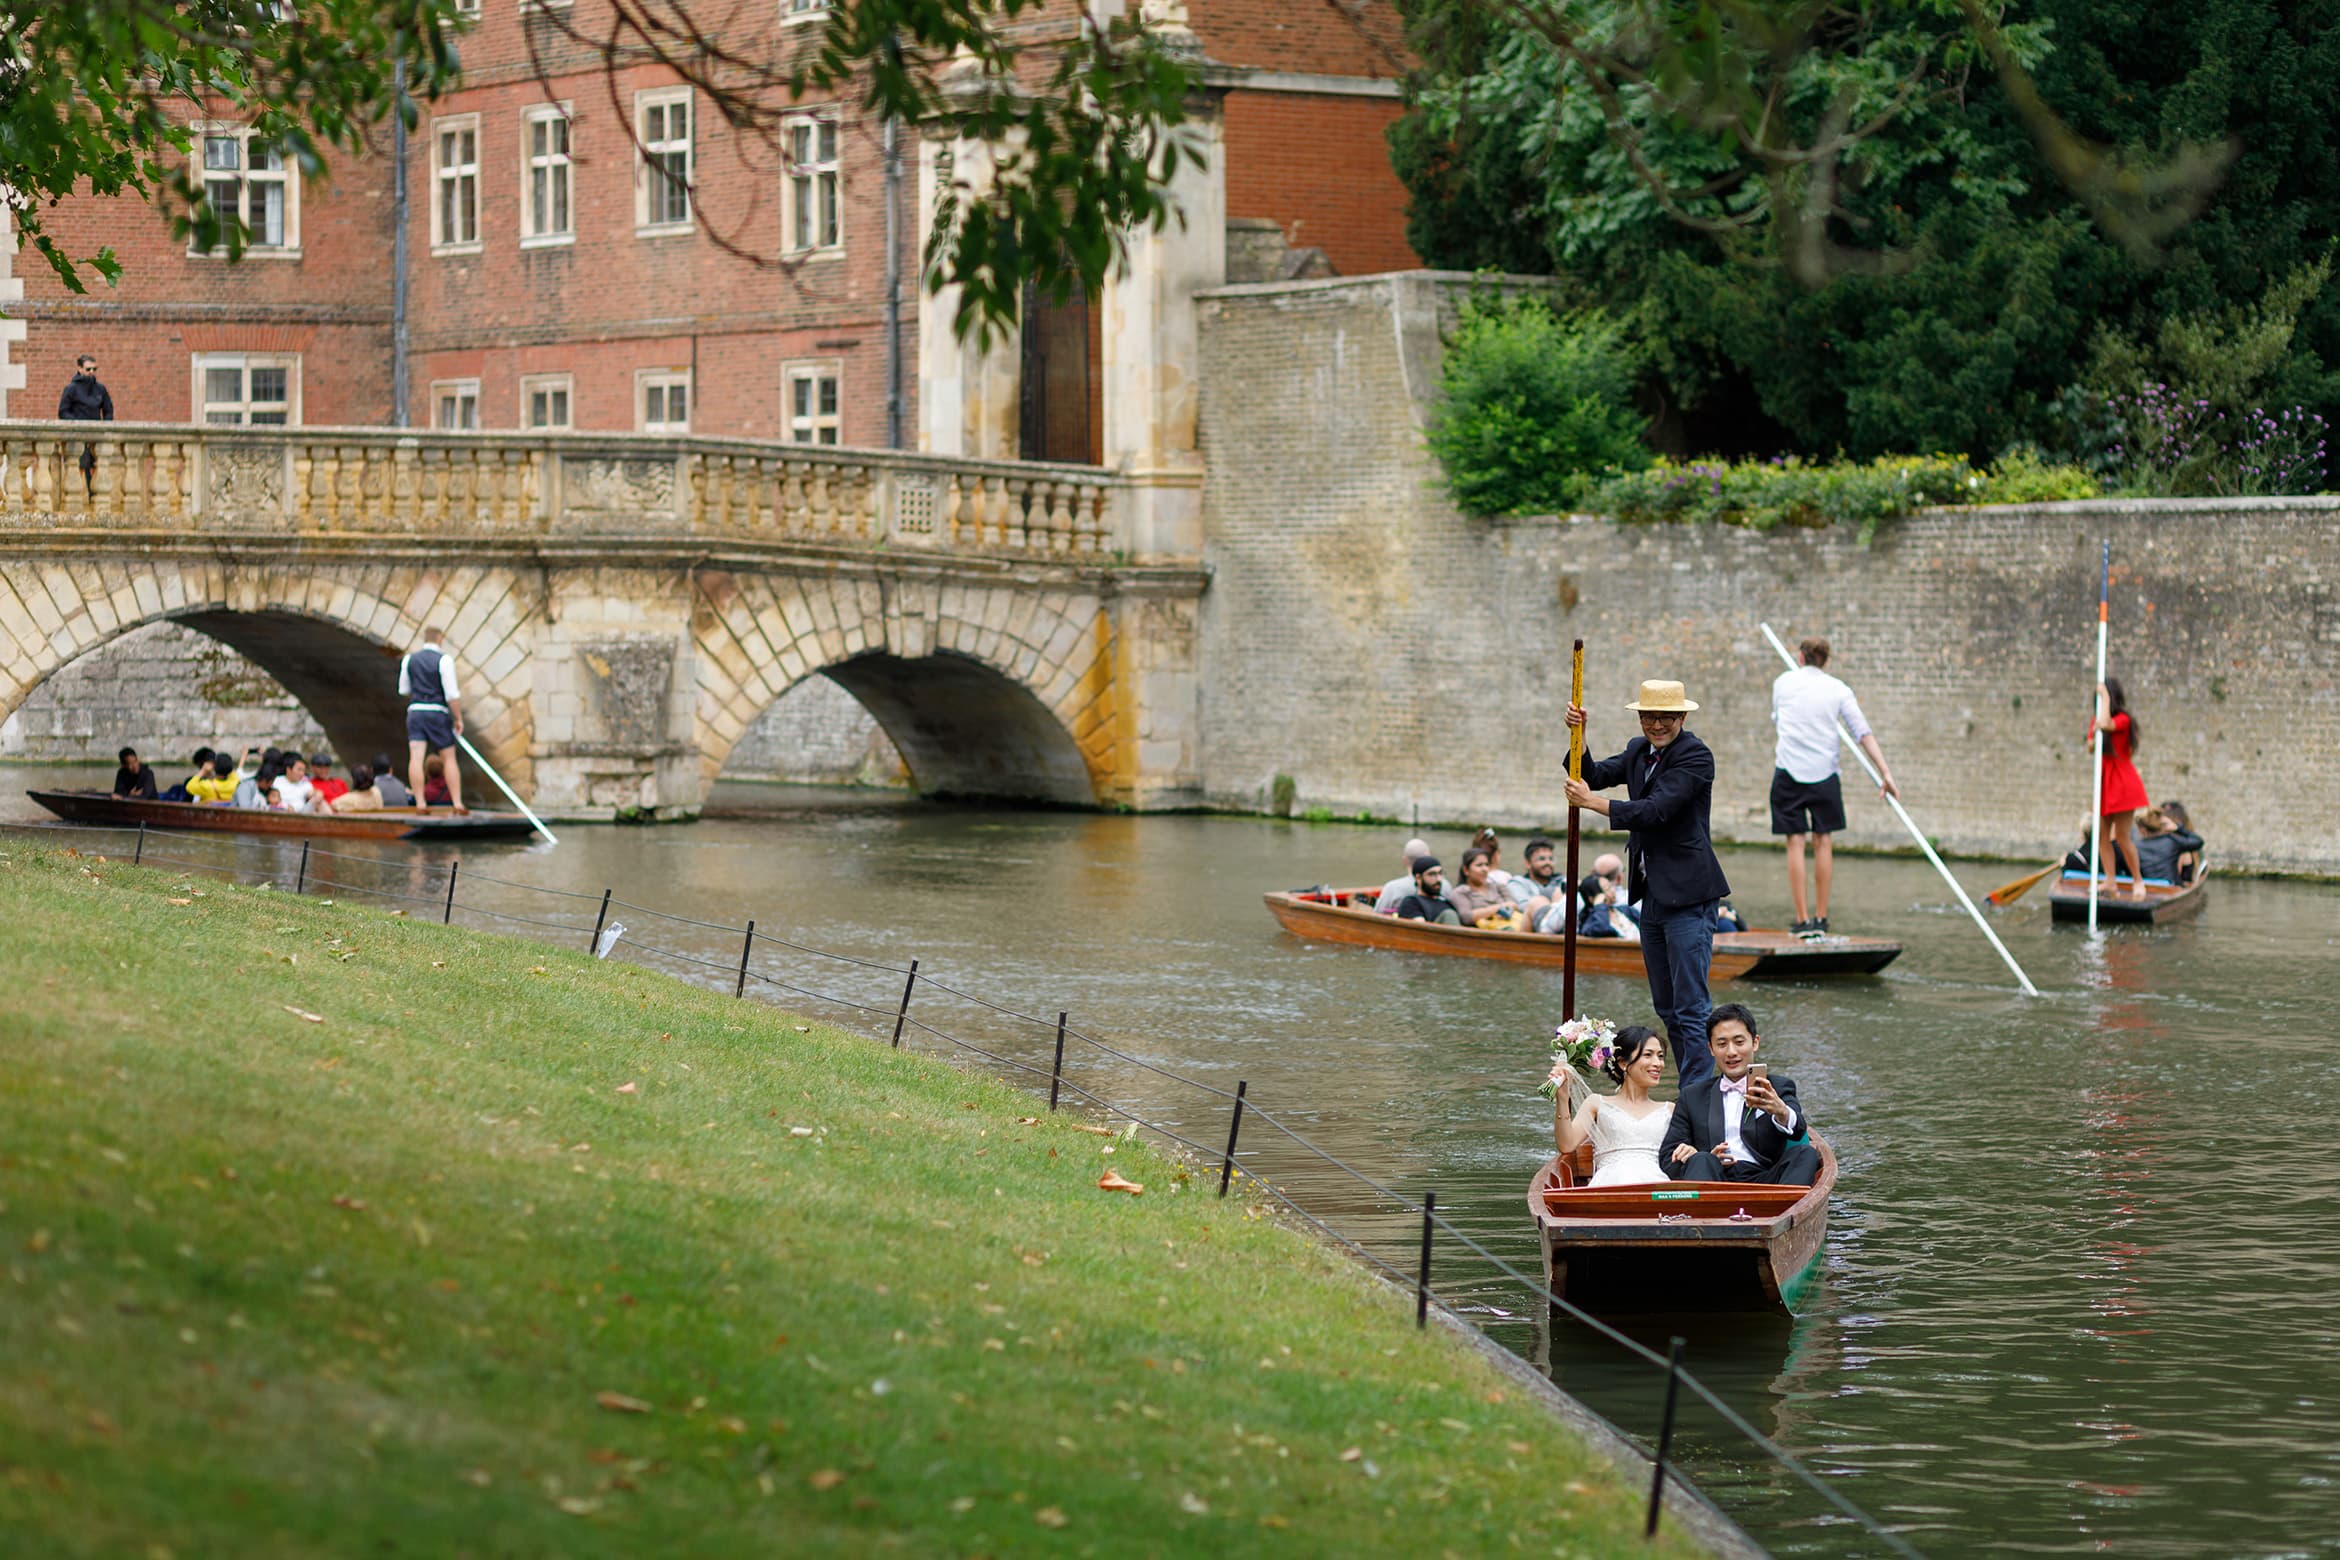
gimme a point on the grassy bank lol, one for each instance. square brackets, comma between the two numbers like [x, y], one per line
[325, 1230]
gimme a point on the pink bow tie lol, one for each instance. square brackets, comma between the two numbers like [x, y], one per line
[1734, 1086]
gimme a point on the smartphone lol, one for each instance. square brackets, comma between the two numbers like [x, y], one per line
[1759, 1070]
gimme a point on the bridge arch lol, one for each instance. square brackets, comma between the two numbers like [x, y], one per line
[1001, 690]
[330, 634]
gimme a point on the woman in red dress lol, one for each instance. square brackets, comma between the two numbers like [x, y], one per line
[2124, 791]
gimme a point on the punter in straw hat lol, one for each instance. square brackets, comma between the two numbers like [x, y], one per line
[1668, 776]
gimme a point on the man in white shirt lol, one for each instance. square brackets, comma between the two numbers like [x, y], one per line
[1807, 797]
[434, 713]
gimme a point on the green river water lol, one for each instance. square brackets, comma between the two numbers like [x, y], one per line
[2078, 1295]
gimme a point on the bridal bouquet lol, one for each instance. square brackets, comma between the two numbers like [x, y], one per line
[1580, 1046]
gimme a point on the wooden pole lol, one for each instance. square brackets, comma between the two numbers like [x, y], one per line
[1568, 912]
[2096, 787]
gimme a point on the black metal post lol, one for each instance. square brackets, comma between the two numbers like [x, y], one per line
[1657, 1478]
[594, 947]
[745, 948]
[1056, 1069]
[301, 881]
[449, 918]
[1422, 1285]
[1234, 1125]
[903, 1017]
[141, 852]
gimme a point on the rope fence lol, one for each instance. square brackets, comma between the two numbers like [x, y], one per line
[896, 1017]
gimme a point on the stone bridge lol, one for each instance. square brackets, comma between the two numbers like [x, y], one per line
[622, 607]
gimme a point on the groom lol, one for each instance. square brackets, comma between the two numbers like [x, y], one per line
[1753, 1127]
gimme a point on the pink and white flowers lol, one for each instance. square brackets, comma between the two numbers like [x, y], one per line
[1581, 1046]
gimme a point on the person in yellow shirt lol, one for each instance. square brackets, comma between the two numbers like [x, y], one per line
[216, 781]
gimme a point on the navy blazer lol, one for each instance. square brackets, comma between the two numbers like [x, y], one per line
[1698, 1121]
[1665, 810]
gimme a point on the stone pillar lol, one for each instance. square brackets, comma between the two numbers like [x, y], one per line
[1151, 348]
[969, 398]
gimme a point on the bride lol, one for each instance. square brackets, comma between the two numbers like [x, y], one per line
[1627, 1127]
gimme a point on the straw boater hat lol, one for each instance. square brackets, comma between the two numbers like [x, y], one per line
[1662, 698]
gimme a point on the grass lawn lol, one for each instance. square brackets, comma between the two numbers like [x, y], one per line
[327, 1231]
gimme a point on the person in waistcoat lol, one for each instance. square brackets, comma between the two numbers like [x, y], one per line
[1672, 873]
[434, 713]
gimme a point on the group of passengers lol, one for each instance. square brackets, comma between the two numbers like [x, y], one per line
[2167, 850]
[1537, 900]
[280, 779]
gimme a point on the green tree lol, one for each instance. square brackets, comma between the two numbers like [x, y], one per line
[1534, 406]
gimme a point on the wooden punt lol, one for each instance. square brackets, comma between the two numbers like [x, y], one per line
[1681, 1245]
[2068, 899]
[391, 823]
[1346, 916]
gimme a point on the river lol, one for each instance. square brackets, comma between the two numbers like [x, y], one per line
[2055, 1318]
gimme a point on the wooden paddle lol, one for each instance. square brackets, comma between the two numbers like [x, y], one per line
[1568, 900]
[2007, 893]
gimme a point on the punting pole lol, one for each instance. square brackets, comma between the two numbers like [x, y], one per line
[488, 769]
[1568, 908]
[2096, 787]
[1916, 834]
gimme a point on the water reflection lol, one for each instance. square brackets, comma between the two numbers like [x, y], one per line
[2077, 1270]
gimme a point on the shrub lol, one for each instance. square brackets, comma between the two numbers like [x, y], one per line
[1535, 405]
[2173, 446]
[2024, 476]
[1789, 491]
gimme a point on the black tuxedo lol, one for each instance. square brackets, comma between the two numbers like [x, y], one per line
[1782, 1158]
[1665, 811]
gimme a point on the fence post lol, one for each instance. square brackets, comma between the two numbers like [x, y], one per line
[1657, 1479]
[1056, 1071]
[448, 919]
[745, 948]
[594, 947]
[301, 881]
[1422, 1285]
[903, 1016]
[1234, 1125]
[141, 852]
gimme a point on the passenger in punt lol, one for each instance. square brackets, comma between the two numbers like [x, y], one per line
[1598, 914]
[298, 791]
[1625, 1128]
[363, 794]
[435, 792]
[1428, 901]
[2168, 847]
[179, 792]
[392, 790]
[1754, 1125]
[1547, 889]
[1478, 899]
[330, 787]
[1397, 888]
[1508, 882]
[216, 782]
[260, 790]
[133, 780]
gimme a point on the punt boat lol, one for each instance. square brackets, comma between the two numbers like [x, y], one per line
[2163, 901]
[391, 823]
[1347, 916]
[1680, 1245]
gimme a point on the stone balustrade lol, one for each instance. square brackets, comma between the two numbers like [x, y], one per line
[367, 481]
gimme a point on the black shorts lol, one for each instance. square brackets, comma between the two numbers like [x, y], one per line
[1797, 808]
[434, 729]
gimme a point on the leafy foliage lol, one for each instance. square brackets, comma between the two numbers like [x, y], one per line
[1534, 405]
[1787, 491]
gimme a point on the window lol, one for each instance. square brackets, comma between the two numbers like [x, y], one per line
[544, 401]
[247, 389]
[252, 183]
[664, 123]
[454, 403]
[664, 397]
[813, 219]
[467, 7]
[794, 11]
[544, 201]
[455, 176]
[812, 403]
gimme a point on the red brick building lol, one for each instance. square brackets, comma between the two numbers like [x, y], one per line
[563, 272]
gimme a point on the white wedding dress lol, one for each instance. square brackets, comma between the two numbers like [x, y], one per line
[1625, 1151]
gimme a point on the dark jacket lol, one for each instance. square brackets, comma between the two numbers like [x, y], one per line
[1665, 810]
[2157, 854]
[85, 400]
[1698, 1121]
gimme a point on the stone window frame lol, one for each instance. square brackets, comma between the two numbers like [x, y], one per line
[807, 428]
[199, 399]
[796, 13]
[457, 391]
[444, 175]
[650, 152]
[563, 385]
[287, 173]
[665, 380]
[561, 164]
[819, 182]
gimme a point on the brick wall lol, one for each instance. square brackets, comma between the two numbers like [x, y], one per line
[1389, 654]
[1317, 164]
